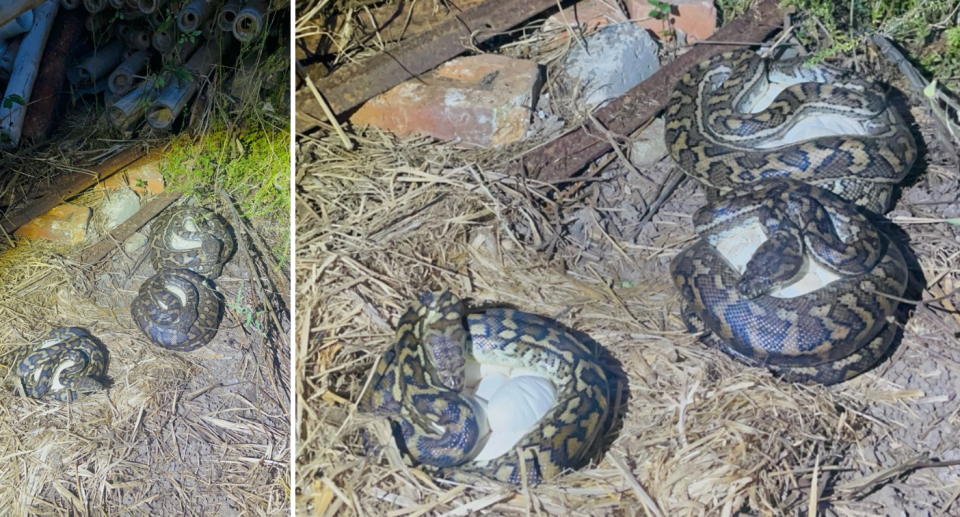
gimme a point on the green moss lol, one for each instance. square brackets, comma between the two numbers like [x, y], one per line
[252, 165]
[926, 29]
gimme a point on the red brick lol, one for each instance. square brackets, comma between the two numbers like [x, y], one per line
[696, 18]
[588, 14]
[64, 223]
[142, 176]
[482, 100]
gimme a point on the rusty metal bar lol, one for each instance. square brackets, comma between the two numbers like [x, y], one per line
[102, 248]
[77, 184]
[567, 155]
[353, 84]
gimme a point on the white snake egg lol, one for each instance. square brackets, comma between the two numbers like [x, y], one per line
[520, 403]
[739, 245]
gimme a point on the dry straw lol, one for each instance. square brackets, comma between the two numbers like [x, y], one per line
[199, 433]
[698, 434]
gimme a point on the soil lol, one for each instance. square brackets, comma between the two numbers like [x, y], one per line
[911, 401]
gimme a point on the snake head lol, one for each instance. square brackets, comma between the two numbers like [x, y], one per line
[444, 337]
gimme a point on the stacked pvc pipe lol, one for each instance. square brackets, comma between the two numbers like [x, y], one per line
[127, 36]
[24, 73]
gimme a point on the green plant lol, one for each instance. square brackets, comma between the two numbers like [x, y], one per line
[191, 36]
[251, 317]
[12, 99]
[661, 10]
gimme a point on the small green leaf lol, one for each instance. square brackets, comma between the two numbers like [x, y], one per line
[18, 99]
[931, 90]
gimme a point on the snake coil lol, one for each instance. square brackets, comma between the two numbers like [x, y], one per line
[175, 310]
[180, 226]
[418, 385]
[804, 194]
[63, 365]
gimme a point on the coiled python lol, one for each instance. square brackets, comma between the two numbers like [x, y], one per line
[418, 385]
[713, 137]
[748, 166]
[176, 311]
[828, 335]
[185, 226]
[62, 366]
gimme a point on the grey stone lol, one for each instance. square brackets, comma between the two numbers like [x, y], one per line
[648, 147]
[609, 62]
[119, 206]
[134, 243]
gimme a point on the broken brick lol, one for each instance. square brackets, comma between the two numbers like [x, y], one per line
[142, 176]
[696, 18]
[64, 223]
[484, 100]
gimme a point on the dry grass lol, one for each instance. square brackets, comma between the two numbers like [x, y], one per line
[700, 435]
[188, 434]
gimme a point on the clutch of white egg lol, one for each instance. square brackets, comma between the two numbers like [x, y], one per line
[512, 400]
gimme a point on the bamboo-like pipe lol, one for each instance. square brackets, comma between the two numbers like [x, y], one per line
[150, 6]
[138, 39]
[10, 9]
[24, 74]
[193, 15]
[249, 21]
[71, 4]
[17, 26]
[121, 80]
[8, 57]
[164, 40]
[97, 64]
[95, 6]
[118, 4]
[181, 53]
[168, 105]
[228, 15]
[155, 19]
[129, 108]
[210, 30]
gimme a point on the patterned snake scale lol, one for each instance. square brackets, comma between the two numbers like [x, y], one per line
[418, 383]
[826, 336]
[712, 139]
[45, 364]
[172, 323]
[216, 241]
[840, 330]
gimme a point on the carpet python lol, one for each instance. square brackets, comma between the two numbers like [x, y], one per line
[418, 385]
[62, 366]
[713, 137]
[188, 225]
[800, 193]
[176, 310]
[828, 335]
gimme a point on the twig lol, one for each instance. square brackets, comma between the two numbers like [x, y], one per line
[326, 108]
